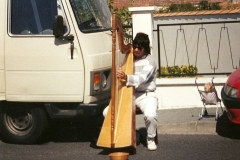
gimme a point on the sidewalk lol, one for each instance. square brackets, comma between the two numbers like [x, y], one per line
[184, 121]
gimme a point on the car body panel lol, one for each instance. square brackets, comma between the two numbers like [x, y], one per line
[232, 105]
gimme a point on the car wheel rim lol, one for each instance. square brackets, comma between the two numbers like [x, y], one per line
[18, 120]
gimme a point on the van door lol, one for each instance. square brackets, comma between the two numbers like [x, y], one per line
[2, 78]
[39, 66]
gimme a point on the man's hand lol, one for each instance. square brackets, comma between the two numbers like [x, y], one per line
[121, 75]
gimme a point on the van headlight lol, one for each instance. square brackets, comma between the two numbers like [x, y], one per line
[230, 91]
[104, 81]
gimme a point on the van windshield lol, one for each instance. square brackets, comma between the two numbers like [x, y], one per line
[91, 15]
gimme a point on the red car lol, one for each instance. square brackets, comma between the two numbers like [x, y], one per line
[231, 96]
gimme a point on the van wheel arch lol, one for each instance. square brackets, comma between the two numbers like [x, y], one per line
[22, 123]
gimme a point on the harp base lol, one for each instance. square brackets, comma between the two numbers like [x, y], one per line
[131, 150]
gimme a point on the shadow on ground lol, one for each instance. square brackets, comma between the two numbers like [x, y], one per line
[73, 130]
[84, 130]
[141, 135]
[226, 128]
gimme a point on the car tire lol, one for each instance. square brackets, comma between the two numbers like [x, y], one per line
[22, 124]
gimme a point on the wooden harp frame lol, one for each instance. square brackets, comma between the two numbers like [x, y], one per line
[118, 129]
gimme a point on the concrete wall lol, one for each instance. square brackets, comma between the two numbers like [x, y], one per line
[182, 92]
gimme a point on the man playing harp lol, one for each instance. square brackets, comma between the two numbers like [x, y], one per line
[143, 80]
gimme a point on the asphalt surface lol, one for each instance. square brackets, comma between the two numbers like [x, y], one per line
[186, 121]
[170, 121]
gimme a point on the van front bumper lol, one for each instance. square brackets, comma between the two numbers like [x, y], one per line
[69, 110]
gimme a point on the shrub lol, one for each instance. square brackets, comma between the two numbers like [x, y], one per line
[176, 71]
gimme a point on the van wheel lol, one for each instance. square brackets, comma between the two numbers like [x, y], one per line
[22, 124]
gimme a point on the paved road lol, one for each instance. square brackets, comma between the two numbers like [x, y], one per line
[171, 147]
[178, 139]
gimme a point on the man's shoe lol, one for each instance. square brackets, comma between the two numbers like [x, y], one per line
[151, 145]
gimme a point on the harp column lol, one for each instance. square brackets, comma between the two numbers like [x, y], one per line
[142, 20]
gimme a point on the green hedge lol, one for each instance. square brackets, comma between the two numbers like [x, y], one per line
[182, 71]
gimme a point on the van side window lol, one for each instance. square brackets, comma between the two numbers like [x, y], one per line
[34, 16]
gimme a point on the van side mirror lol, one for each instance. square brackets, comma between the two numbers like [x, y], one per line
[58, 31]
[58, 26]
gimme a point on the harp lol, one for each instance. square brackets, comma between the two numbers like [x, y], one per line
[118, 129]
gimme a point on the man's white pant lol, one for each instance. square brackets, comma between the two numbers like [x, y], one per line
[148, 103]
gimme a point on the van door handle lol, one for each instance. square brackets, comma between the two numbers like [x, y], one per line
[69, 38]
[71, 48]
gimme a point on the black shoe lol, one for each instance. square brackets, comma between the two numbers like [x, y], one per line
[138, 138]
[205, 112]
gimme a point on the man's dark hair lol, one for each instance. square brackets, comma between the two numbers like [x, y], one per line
[142, 40]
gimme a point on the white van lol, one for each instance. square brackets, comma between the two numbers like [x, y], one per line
[55, 62]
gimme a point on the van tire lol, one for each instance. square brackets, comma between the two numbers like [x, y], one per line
[22, 124]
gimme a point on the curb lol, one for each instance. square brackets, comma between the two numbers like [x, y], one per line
[183, 121]
[188, 128]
